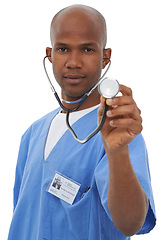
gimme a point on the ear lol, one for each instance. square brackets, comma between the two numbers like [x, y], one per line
[106, 57]
[48, 53]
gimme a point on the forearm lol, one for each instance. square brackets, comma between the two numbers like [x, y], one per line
[127, 201]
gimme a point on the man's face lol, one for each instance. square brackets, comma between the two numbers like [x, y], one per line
[77, 54]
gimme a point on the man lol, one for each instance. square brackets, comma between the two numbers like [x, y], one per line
[114, 198]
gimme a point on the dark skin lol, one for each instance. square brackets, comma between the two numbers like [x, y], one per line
[78, 55]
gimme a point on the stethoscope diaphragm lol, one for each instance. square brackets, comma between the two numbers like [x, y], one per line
[109, 87]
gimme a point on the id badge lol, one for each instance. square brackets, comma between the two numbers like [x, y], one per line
[64, 188]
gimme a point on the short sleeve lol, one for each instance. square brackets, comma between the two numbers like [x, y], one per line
[21, 161]
[139, 160]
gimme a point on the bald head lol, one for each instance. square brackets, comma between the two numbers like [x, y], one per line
[83, 13]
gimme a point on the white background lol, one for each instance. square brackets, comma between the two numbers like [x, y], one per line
[135, 38]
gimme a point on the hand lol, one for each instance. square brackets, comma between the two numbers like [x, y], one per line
[123, 121]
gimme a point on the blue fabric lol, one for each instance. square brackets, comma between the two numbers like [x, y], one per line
[38, 215]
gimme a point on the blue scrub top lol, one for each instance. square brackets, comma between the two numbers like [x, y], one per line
[38, 215]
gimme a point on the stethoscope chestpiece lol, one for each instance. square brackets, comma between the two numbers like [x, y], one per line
[108, 87]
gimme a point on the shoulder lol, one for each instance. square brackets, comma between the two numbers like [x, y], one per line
[40, 123]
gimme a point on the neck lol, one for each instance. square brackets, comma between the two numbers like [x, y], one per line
[92, 100]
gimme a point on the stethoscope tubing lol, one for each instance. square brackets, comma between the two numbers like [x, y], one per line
[93, 133]
[80, 102]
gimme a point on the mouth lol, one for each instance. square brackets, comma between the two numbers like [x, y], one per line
[74, 78]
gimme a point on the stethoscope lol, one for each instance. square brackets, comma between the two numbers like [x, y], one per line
[107, 87]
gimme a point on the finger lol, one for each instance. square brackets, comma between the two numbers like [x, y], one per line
[125, 110]
[125, 90]
[128, 123]
[139, 110]
[121, 100]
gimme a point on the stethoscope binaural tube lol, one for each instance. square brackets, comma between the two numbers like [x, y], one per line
[108, 88]
[80, 101]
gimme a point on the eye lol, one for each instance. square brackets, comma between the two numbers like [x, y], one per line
[62, 49]
[88, 50]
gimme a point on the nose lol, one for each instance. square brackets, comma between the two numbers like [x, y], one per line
[74, 60]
